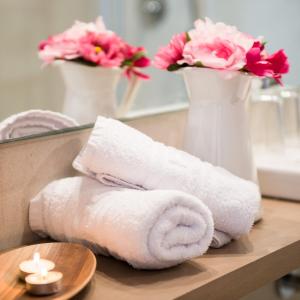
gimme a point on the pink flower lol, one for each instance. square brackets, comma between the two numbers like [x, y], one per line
[260, 64]
[135, 58]
[172, 53]
[256, 62]
[222, 47]
[219, 54]
[103, 49]
[93, 44]
[66, 45]
[142, 62]
[280, 64]
[216, 46]
[58, 47]
[80, 29]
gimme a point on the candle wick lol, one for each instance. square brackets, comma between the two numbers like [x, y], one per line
[43, 273]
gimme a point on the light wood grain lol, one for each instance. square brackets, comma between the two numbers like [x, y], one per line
[271, 250]
[77, 263]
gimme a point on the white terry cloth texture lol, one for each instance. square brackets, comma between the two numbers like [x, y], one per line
[220, 239]
[119, 155]
[33, 122]
[148, 229]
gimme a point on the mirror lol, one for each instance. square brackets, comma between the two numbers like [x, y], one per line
[26, 85]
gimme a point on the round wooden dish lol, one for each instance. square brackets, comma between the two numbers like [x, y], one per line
[76, 262]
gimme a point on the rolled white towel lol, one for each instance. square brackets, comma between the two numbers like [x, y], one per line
[148, 229]
[33, 122]
[119, 155]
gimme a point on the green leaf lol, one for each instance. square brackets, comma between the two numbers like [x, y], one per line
[199, 64]
[173, 67]
[82, 61]
[187, 36]
[138, 55]
[243, 69]
[127, 62]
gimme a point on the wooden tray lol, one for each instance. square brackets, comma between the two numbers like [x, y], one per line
[76, 262]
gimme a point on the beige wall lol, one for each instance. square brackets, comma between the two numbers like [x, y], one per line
[23, 24]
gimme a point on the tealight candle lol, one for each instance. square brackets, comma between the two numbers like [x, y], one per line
[44, 282]
[28, 267]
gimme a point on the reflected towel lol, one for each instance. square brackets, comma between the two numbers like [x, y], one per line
[32, 122]
[119, 155]
[148, 229]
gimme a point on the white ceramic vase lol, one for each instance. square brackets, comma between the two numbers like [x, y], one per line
[217, 128]
[91, 91]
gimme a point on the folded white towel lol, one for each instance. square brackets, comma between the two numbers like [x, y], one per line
[33, 122]
[119, 155]
[148, 229]
[220, 239]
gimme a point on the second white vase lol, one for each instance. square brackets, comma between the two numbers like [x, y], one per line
[91, 91]
[217, 128]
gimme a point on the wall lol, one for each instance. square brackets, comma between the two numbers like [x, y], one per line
[23, 85]
[23, 24]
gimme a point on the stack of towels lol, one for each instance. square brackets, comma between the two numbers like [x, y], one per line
[143, 202]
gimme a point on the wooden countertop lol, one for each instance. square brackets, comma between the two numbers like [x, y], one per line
[270, 251]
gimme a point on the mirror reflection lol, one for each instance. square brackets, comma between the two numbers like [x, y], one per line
[80, 91]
